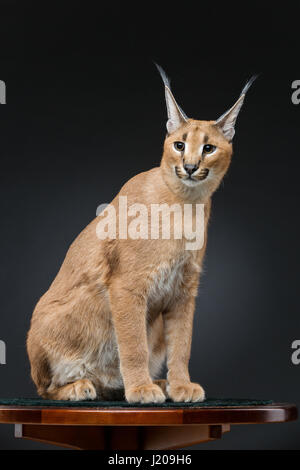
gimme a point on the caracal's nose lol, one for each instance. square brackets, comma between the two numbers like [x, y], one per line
[190, 169]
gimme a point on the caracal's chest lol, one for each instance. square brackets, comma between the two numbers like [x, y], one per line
[169, 281]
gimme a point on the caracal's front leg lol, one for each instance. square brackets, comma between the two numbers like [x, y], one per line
[178, 325]
[129, 318]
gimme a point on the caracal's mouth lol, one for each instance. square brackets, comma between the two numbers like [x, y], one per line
[190, 179]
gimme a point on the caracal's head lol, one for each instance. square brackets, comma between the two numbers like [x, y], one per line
[197, 154]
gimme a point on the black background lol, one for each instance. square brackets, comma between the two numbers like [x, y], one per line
[85, 112]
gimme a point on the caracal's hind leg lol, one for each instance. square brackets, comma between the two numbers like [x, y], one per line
[82, 389]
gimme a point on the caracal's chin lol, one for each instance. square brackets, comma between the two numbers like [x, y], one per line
[190, 182]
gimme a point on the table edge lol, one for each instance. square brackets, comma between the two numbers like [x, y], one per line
[277, 412]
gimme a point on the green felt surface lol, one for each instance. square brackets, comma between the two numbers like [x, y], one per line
[209, 402]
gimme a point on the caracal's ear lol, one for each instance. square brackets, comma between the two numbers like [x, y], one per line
[176, 117]
[226, 122]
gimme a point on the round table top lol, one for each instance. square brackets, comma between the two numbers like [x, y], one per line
[277, 412]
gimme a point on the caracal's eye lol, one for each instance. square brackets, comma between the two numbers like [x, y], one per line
[179, 146]
[209, 148]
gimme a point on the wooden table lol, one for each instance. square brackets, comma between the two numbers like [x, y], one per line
[136, 428]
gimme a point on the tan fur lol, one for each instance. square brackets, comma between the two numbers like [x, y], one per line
[117, 308]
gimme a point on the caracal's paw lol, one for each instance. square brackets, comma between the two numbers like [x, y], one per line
[186, 392]
[150, 393]
[80, 390]
[162, 383]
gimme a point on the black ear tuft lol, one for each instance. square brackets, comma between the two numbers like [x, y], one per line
[176, 116]
[248, 84]
[163, 75]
